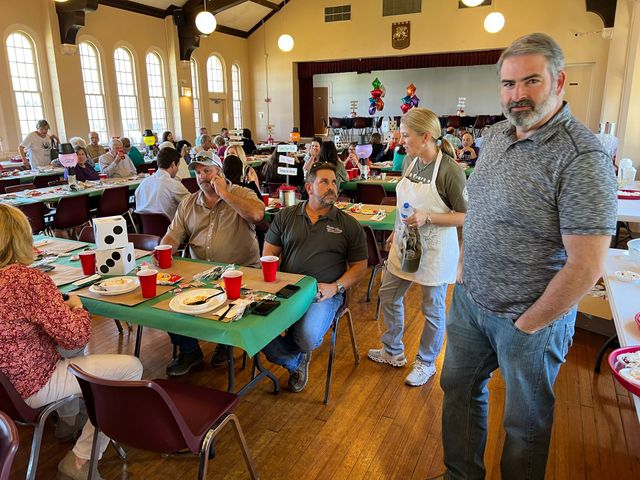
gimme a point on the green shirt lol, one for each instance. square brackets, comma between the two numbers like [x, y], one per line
[135, 156]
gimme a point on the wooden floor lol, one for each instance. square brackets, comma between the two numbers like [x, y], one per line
[375, 427]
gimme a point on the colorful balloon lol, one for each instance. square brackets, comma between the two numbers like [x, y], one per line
[411, 89]
[372, 101]
[406, 99]
[376, 93]
[372, 109]
[405, 107]
[376, 83]
[415, 101]
[380, 104]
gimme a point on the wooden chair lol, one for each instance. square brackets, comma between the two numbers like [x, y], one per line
[19, 188]
[160, 416]
[9, 443]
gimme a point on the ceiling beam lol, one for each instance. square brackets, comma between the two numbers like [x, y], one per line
[265, 3]
[71, 18]
[264, 20]
[137, 8]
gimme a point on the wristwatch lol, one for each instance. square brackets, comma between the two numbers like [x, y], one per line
[340, 288]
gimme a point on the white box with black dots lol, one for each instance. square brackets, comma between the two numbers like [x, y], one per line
[116, 261]
[110, 232]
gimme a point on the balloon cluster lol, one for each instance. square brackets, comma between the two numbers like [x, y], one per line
[375, 102]
[411, 100]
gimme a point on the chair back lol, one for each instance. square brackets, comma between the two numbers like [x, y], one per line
[19, 188]
[359, 122]
[41, 181]
[71, 212]
[191, 183]
[379, 122]
[87, 235]
[9, 442]
[335, 123]
[142, 241]
[8, 182]
[389, 201]
[143, 168]
[453, 121]
[154, 223]
[136, 413]
[114, 201]
[374, 257]
[35, 213]
[13, 405]
[371, 193]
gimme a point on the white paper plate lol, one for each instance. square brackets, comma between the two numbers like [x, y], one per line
[177, 303]
[129, 285]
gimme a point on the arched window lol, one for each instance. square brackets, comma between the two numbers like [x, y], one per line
[25, 80]
[236, 94]
[93, 89]
[215, 75]
[125, 81]
[195, 92]
[156, 93]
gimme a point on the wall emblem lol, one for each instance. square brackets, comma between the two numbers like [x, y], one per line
[400, 35]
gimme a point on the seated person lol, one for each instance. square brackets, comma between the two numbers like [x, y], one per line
[270, 169]
[183, 168]
[352, 160]
[83, 170]
[35, 321]
[167, 136]
[315, 238]
[313, 154]
[218, 225]
[248, 145]
[116, 163]
[204, 145]
[132, 151]
[394, 152]
[94, 149]
[376, 144]
[220, 145]
[233, 171]
[469, 152]
[37, 147]
[451, 137]
[203, 131]
[162, 192]
[249, 175]
[79, 142]
[329, 154]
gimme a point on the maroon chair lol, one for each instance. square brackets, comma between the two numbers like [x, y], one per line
[41, 181]
[87, 235]
[71, 212]
[19, 188]
[143, 241]
[191, 183]
[370, 193]
[8, 182]
[160, 416]
[15, 407]
[9, 442]
[143, 168]
[35, 212]
[154, 223]
[115, 201]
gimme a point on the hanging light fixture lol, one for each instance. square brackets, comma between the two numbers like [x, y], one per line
[472, 3]
[285, 41]
[494, 22]
[205, 21]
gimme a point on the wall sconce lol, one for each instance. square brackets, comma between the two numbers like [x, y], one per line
[186, 92]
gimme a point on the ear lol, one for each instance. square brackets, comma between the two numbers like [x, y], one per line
[562, 77]
[308, 188]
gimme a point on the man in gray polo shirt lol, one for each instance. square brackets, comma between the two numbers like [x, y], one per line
[315, 238]
[542, 207]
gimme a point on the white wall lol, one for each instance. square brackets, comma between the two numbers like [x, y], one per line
[437, 88]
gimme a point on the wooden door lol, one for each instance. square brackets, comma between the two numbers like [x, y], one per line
[577, 92]
[320, 109]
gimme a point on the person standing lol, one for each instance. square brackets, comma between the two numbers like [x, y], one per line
[542, 209]
[35, 149]
[433, 186]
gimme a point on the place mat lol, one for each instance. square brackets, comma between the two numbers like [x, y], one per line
[365, 218]
[252, 279]
[212, 315]
[140, 253]
[52, 245]
[130, 299]
[185, 268]
[63, 274]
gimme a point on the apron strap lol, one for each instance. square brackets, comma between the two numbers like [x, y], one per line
[410, 168]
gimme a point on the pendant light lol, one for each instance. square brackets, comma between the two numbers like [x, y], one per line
[494, 22]
[472, 3]
[285, 41]
[205, 21]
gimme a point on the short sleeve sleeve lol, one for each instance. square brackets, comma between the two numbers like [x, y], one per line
[274, 234]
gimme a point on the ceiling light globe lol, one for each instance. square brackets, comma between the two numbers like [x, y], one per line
[494, 22]
[206, 22]
[285, 42]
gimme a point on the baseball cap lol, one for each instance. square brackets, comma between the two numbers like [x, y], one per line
[166, 145]
[206, 158]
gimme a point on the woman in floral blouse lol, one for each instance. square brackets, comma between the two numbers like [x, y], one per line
[34, 321]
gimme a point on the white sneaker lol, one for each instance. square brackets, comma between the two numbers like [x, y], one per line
[420, 374]
[381, 356]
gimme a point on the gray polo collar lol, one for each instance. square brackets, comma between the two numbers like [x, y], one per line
[302, 210]
[546, 131]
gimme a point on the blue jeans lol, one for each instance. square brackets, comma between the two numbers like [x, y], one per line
[303, 336]
[479, 342]
[184, 344]
[391, 294]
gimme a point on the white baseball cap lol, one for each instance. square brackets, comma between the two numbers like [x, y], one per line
[206, 158]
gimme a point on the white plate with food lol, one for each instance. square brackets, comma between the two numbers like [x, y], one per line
[115, 286]
[195, 302]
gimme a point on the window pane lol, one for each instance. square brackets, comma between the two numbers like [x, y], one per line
[93, 90]
[215, 75]
[125, 82]
[25, 81]
[156, 93]
[195, 92]
[236, 96]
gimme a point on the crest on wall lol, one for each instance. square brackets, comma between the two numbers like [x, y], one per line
[400, 35]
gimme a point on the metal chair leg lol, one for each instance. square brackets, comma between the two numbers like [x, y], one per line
[245, 448]
[136, 350]
[378, 307]
[118, 325]
[610, 343]
[35, 449]
[119, 450]
[373, 276]
[332, 351]
[93, 465]
[354, 344]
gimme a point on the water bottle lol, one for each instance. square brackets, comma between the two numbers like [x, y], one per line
[406, 211]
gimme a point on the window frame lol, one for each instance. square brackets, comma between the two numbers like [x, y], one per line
[127, 132]
[195, 94]
[236, 95]
[159, 123]
[212, 83]
[103, 133]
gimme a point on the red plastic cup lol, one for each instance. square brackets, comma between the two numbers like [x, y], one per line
[265, 199]
[88, 261]
[269, 267]
[103, 176]
[152, 171]
[162, 256]
[147, 280]
[232, 283]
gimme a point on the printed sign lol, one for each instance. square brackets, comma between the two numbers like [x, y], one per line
[287, 160]
[235, 143]
[287, 148]
[287, 171]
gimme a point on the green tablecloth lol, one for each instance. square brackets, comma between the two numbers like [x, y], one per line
[351, 186]
[27, 177]
[251, 333]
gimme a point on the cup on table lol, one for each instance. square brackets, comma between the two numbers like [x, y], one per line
[162, 256]
[383, 176]
[88, 262]
[103, 176]
[265, 199]
[269, 267]
[232, 283]
[147, 280]
[152, 171]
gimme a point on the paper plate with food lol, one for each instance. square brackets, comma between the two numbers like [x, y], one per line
[628, 195]
[341, 205]
[115, 286]
[195, 302]
[625, 365]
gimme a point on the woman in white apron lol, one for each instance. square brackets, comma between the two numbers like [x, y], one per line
[435, 188]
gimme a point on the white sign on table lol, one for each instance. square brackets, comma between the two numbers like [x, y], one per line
[287, 160]
[287, 171]
[287, 148]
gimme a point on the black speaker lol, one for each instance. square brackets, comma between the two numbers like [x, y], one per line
[178, 17]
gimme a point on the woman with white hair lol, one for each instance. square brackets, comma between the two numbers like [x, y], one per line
[35, 149]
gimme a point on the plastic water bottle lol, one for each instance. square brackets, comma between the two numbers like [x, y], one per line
[406, 211]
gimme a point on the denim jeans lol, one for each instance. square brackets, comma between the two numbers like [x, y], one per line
[184, 344]
[391, 294]
[479, 342]
[303, 336]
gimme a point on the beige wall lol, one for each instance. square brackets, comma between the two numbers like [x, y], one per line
[441, 27]
[109, 28]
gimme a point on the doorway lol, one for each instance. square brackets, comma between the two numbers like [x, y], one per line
[217, 115]
[577, 92]
[320, 110]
